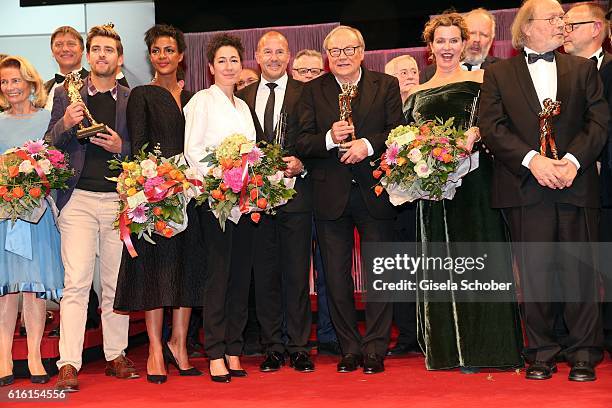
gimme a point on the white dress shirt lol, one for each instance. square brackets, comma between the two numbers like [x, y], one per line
[544, 78]
[329, 141]
[210, 117]
[263, 92]
[599, 54]
[474, 67]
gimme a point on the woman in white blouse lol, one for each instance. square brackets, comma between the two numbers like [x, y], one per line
[210, 116]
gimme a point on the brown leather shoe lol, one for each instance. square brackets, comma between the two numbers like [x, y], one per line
[67, 379]
[121, 367]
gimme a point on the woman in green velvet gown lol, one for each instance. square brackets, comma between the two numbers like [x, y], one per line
[467, 335]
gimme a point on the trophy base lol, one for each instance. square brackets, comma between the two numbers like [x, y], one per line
[341, 151]
[90, 131]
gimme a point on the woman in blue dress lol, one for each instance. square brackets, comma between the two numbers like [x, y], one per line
[30, 260]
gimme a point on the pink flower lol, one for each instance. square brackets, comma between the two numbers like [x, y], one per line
[34, 147]
[56, 158]
[139, 214]
[233, 179]
[152, 183]
[391, 154]
[255, 155]
[443, 140]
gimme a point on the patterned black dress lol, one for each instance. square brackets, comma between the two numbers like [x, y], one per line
[171, 272]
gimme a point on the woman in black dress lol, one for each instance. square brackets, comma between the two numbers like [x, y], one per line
[166, 274]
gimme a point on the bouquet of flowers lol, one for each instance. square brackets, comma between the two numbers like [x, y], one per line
[423, 162]
[245, 178]
[153, 192]
[27, 175]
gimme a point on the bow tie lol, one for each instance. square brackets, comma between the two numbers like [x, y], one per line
[59, 78]
[547, 56]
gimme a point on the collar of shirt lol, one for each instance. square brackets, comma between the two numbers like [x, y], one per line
[354, 83]
[474, 67]
[91, 89]
[599, 54]
[281, 83]
[540, 61]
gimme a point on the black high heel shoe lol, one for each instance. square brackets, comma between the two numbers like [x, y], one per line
[157, 378]
[234, 373]
[39, 379]
[170, 359]
[224, 378]
[7, 380]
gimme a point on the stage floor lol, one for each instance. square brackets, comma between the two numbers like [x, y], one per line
[405, 383]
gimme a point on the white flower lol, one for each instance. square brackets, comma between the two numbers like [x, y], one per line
[422, 169]
[45, 166]
[276, 178]
[148, 164]
[26, 167]
[415, 155]
[405, 138]
[149, 172]
[217, 172]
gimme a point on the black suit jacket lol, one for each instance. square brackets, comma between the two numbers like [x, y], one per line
[605, 71]
[302, 201]
[430, 70]
[510, 128]
[376, 110]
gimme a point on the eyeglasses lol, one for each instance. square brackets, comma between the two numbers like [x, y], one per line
[304, 71]
[348, 51]
[552, 20]
[569, 27]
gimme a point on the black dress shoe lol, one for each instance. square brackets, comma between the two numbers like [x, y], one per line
[350, 362]
[39, 379]
[540, 370]
[330, 348]
[273, 362]
[582, 372]
[373, 364]
[157, 378]
[402, 349]
[7, 380]
[301, 362]
[54, 332]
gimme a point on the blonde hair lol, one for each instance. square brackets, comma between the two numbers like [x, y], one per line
[524, 14]
[308, 53]
[348, 28]
[484, 12]
[391, 65]
[29, 74]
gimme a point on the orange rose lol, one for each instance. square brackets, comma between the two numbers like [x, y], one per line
[262, 203]
[164, 168]
[255, 217]
[378, 190]
[226, 163]
[425, 130]
[254, 193]
[216, 194]
[437, 151]
[167, 232]
[160, 226]
[3, 190]
[35, 192]
[7, 197]
[140, 180]
[13, 171]
[157, 211]
[237, 163]
[174, 174]
[18, 192]
[223, 187]
[447, 158]
[377, 173]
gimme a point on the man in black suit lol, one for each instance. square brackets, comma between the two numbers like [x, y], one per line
[282, 242]
[586, 28]
[481, 25]
[543, 198]
[342, 182]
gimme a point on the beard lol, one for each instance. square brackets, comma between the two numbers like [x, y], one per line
[104, 72]
[476, 58]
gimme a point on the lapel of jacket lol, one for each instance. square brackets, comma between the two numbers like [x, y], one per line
[331, 90]
[606, 60]
[120, 110]
[290, 94]
[563, 82]
[523, 78]
[251, 95]
[368, 86]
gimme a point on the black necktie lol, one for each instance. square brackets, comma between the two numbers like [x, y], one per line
[594, 58]
[547, 56]
[468, 66]
[269, 112]
[59, 78]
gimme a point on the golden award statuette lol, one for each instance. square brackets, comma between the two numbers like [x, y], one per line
[547, 135]
[73, 84]
[349, 91]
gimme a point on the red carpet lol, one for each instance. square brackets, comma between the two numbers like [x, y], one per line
[405, 384]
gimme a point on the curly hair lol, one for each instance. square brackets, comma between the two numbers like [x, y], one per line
[447, 19]
[224, 40]
[29, 74]
[164, 30]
